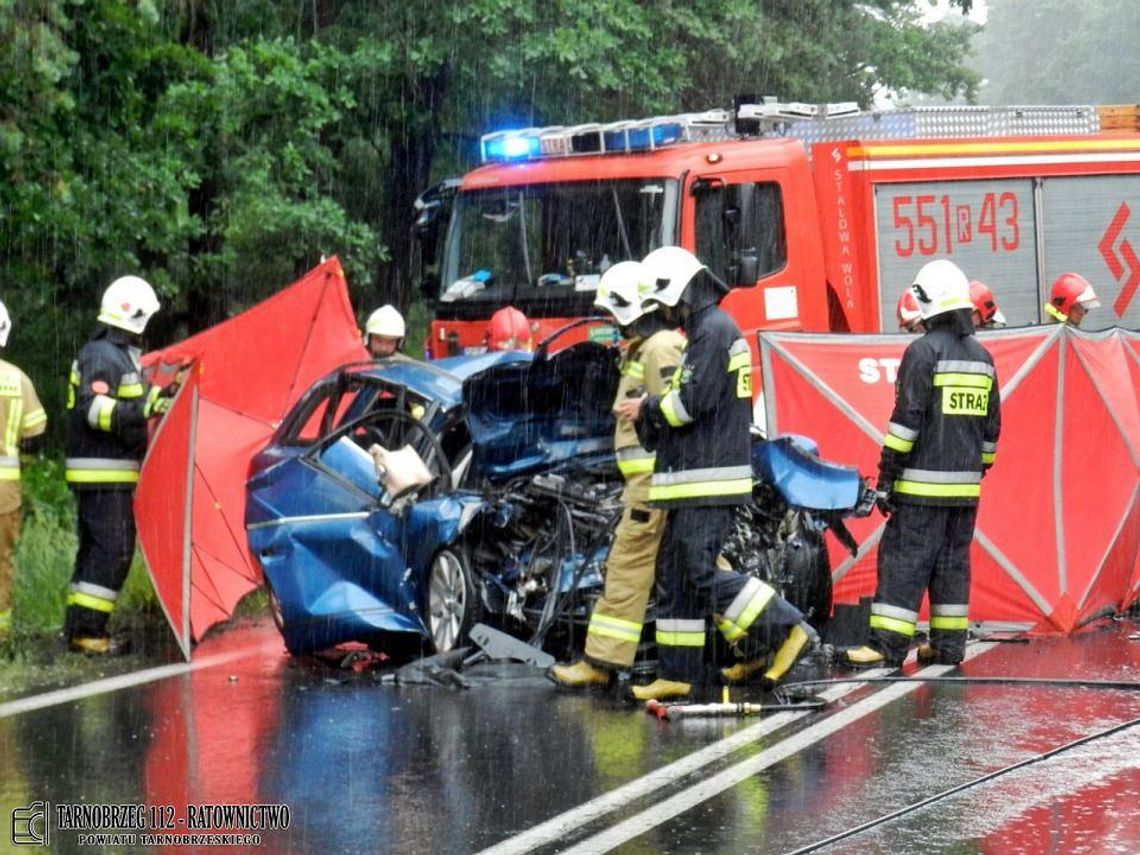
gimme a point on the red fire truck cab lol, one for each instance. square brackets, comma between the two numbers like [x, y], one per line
[817, 217]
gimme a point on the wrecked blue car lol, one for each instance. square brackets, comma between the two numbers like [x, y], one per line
[400, 502]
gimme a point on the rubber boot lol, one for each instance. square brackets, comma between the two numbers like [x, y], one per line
[788, 654]
[926, 654]
[741, 671]
[661, 690]
[864, 657]
[580, 675]
[97, 645]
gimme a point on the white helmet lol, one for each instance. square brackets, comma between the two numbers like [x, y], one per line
[128, 303]
[385, 321]
[619, 292]
[668, 271]
[5, 325]
[939, 287]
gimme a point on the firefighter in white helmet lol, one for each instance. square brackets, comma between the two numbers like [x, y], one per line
[699, 428]
[652, 354]
[941, 439]
[108, 405]
[20, 409]
[384, 332]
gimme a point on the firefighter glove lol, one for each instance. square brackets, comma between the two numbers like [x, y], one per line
[157, 402]
[883, 503]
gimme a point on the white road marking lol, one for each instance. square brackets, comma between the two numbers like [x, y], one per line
[124, 681]
[558, 827]
[690, 797]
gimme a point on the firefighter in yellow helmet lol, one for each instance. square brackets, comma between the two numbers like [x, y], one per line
[384, 332]
[21, 411]
[700, 430]
[108, 405]
[652, 356]
[941, 439]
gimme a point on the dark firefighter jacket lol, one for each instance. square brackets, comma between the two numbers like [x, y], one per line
[700, 427]
[107, 403]
[944, 429]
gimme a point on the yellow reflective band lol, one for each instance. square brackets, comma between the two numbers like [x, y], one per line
[945, 622]
[9, 473]
[903, 445]
[669, 409]
[130, 390]
[106, 412]
[755, 605]
[33, 419]
[988, 457]
[1056, 313]
[700, 489]
[977, 381]
[87, 601]
[739, 361]
[611, 627]
[636, 465]
[101, 476]
[12, 429]
[633, 369]
[681, 639]
[728, 629]
[921, 488]
[889, 624]
[5, 618]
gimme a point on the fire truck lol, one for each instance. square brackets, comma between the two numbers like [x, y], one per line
[816, 216]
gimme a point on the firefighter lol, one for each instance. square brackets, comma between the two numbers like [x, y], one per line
[906, 310]
[1070, 299]
[986, 315]
[384, 332]
[700, 431]
[108, 407]
[26, 421]
[508, 329]
[941, 439]
[651, 357]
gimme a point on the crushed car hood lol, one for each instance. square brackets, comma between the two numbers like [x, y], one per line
[555, 409]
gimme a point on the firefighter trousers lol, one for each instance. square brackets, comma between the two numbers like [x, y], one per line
[618, 617]
[923, 547]
[748, 612]
[9, 534]
[106, 524]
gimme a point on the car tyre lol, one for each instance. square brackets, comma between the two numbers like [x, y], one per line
[453, 605]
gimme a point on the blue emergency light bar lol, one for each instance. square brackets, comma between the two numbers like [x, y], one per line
[621, 137]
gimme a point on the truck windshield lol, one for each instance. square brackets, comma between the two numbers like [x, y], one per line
[543, 247]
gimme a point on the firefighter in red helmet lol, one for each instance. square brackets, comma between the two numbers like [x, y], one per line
[906, 310]
[987, 315]
[508, 330]
[1070, 299]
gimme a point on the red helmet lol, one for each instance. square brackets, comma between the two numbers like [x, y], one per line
[1069, 290]
[508, 330]
[985, 304]
[907, 311]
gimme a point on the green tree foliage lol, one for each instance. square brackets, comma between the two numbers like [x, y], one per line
[219, 149]
[1052, 52]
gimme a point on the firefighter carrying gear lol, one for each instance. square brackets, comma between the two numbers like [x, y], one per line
[108, 406]
[700, 430]
[941, 439]
[617, 620]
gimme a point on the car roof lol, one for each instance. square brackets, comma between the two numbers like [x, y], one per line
[439, 380]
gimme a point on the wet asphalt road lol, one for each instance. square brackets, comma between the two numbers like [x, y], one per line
[510, 764]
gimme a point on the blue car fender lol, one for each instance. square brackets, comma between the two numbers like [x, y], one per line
[436, 523]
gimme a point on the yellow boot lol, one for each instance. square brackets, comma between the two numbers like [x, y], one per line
[787, 654]
[661, 690]
[580, 675]
[864, 657]
[741, 671]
